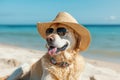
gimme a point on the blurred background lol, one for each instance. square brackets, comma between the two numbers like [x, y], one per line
[18, 20]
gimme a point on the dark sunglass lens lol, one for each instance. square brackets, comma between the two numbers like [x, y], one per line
[61, 31]
[49, 31]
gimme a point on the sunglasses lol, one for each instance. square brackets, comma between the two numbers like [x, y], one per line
[60, 31]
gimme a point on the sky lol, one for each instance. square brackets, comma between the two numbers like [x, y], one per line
[84, 11]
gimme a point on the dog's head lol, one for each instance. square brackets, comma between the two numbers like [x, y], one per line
[61, 37]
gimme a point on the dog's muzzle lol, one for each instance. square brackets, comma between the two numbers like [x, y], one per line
[54, 50]
[54, 47]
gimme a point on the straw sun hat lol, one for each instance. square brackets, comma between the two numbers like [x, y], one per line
[67, 19]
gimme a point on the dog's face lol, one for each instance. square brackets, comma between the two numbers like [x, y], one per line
[59, 38]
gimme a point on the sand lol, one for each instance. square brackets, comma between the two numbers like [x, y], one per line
[11, 57]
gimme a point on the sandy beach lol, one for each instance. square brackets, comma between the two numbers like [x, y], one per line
[12, 57]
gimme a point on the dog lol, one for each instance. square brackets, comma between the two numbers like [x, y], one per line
[62, 62]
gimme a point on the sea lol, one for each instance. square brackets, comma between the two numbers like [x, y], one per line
[105, 40]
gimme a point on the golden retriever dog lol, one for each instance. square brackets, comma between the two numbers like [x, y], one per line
[65, 39]
[62, 62]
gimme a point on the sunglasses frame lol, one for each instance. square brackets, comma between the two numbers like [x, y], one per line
[61, 31]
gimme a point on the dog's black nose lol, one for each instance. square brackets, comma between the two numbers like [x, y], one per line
[50, 39]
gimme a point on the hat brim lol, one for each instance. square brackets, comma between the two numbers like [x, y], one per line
[80, 30]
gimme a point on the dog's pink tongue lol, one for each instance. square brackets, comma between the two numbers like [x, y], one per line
[52, 51]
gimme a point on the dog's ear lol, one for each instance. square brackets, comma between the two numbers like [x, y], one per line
[78, 42]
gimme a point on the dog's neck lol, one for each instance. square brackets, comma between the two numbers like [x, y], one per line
[60, 64]
[63, 59]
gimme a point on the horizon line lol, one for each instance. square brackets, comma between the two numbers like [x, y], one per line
[80, 24]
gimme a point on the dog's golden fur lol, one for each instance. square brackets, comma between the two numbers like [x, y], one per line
[57, 73]
[43, 68]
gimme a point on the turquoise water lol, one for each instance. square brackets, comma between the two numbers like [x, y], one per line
[21, 35]
[105, 44]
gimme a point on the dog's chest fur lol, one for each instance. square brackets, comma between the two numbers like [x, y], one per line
[54, 72]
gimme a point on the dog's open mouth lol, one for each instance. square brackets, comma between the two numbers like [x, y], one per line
[52, 50]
